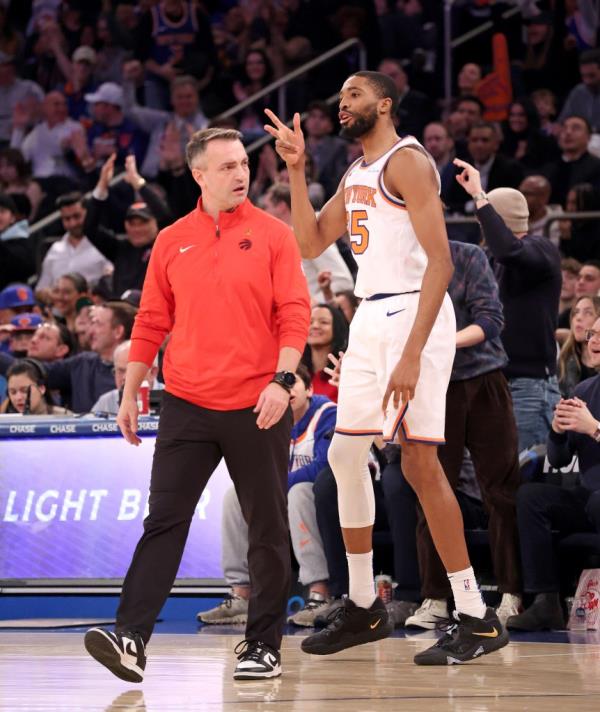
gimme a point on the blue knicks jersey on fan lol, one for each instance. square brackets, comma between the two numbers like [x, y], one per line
[384, 243]
[168, 34]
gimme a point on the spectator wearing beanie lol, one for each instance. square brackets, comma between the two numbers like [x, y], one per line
[527, 268]
[16, 259]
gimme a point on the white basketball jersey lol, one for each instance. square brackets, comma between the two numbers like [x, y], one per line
[385, 247]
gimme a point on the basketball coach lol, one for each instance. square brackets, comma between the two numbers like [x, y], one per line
[226, 282]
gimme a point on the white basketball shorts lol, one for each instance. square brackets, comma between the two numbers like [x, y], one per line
[378, 334]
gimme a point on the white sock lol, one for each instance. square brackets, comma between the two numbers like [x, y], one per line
[362, 583]
[467, 597]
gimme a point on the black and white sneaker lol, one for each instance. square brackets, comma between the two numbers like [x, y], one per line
[257, 661]
[348, 626]
[122, 653]
[466, 638]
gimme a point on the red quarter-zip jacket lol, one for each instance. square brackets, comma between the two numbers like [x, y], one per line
[231, 295]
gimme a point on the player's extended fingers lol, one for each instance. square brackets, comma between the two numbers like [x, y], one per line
[275, 119]
[271, 130]
[296, 122]
[386, 398]
[335, 361]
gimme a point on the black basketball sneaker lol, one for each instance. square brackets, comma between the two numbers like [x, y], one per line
[256, 661]
[348, 626]
[466, 638]
[122, 653]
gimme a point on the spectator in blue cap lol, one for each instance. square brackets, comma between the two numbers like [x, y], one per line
[23, 329]
[15, 299]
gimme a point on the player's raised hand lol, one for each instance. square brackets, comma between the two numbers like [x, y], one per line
[403, 381]
[289, 143]
[334, 373]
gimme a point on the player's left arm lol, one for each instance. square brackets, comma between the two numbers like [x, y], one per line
[410, 175]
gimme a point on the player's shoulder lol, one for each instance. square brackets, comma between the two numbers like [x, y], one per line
[409, 154]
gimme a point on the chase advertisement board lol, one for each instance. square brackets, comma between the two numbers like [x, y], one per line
[73, 501]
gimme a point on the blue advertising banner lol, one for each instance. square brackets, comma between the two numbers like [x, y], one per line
[73, 507]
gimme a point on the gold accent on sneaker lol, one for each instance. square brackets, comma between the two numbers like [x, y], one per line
[493, 634]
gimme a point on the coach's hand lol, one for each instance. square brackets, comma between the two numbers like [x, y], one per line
[272, 404]
[403, 380]
[289, 143]
[127, 420]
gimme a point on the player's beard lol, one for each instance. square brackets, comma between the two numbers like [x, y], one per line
[363, 123]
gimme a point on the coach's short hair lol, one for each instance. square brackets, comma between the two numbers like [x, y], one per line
[197, 144]
[383, 86]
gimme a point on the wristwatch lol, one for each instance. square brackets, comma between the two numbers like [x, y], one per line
[596, 433]
[479, 196]
[285, 379]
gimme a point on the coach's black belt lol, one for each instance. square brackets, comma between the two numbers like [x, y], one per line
[385, 295]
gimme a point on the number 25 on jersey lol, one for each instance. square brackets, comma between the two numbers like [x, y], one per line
[358, 231]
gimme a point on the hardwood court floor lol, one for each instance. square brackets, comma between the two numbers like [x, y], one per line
[51, 671]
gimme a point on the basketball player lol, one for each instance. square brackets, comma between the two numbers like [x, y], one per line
[397, 367]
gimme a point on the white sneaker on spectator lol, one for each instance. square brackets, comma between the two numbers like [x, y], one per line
[429, 614]
[324, 614]
[316, 604]
[510, 605]
[232, 609]
[399, 611]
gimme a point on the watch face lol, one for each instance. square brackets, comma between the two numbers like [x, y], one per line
[289, 378]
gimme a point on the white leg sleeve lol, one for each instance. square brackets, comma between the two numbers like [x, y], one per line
[348, 457]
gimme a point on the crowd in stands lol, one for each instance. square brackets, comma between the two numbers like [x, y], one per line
[98, 100]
